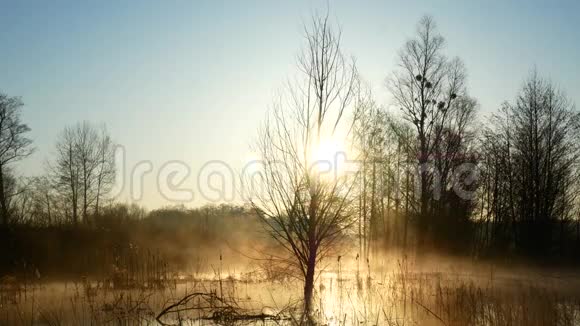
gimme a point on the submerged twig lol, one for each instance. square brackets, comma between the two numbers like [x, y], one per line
[430, 311]
[219, 308]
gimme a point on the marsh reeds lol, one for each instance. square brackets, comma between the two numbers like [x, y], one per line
[397, 294]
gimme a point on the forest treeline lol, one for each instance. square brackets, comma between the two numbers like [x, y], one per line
[126, 237]
[436, 174]
[497, 185]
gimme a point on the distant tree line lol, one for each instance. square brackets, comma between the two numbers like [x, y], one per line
[126, 234]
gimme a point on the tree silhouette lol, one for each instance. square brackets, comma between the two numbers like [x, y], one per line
[84, 168]
[425, 87]
[532, 162]
[303, 211]
[14, 146]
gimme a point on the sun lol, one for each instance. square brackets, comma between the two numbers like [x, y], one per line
[327, 149]
[327, 156]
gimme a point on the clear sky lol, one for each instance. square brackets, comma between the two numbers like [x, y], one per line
[191, 81]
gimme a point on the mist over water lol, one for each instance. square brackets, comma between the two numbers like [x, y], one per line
[396, 289]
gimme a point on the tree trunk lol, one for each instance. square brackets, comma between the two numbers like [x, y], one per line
[97, 199]
[406, 210]
[73, 187]
[309, 285]
[423, 215]
[312, 256]
[48, 210]
[364, 211]
[85, 219]
[3, 204]
[373, 219]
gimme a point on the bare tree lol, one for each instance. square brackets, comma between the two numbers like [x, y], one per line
[14, 146]
[532, 164]
[425, 87]
[387, 149]
[84, 168]
[306, 213]
[67, 172]
[106, 172]
[370, 135]
[87, 156]
[43, 197]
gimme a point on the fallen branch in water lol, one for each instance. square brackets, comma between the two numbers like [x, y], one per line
[219, 309]
[429, 311]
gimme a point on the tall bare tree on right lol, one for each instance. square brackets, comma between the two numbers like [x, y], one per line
[427, 86]
[532, 166]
